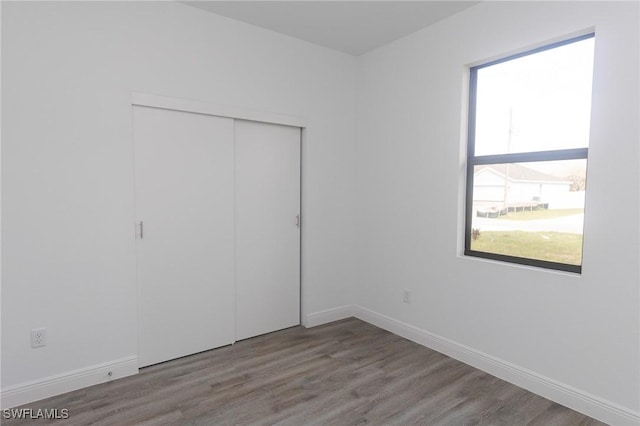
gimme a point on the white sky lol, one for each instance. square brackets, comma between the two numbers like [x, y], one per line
[548, 96]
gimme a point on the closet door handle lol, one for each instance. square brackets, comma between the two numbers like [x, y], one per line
[298, 221]
[141, 230]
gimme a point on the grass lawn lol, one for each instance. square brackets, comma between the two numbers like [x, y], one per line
[550, 246]
[541, 214]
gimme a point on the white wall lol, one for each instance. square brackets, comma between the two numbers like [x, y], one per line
[580, 331]
[68, 245]
[68, 208]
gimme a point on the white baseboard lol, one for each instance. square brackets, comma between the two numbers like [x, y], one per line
[330, 315]
[35, 390]
[576, 399]
[561, 393]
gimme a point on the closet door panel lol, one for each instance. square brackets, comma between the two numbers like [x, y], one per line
[184, 165]
[267, 180]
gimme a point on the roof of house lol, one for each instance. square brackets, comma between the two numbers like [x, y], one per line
[520, 172]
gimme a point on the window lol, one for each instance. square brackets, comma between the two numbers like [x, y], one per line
[528, 140]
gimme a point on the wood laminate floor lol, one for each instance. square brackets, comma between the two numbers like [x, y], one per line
[344, 373]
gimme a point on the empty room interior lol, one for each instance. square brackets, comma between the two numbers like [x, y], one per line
[301, 212]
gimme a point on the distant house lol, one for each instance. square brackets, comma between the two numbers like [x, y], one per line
[521, 185]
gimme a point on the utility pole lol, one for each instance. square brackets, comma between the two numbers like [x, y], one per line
[506, 168]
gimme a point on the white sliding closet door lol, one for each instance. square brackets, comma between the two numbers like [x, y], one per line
[267, 232]
[185, 198]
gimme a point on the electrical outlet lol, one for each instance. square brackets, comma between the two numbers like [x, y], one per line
[38, 337]
[406, 296]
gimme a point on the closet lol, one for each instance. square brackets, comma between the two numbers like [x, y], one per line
[218, 230]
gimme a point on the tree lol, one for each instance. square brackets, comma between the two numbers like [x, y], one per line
[578, 180]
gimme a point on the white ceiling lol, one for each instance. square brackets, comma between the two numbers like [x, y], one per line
[353, 27]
